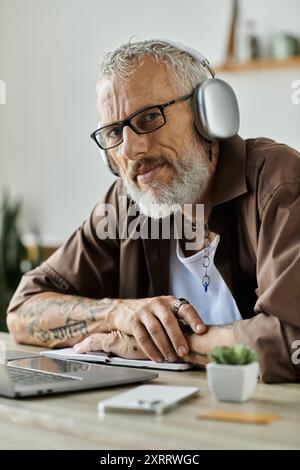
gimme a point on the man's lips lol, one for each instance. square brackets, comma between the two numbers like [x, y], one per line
[146, 173]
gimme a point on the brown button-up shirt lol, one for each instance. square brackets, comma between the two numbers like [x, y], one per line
[256, 211]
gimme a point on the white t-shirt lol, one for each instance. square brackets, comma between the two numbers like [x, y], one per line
[216, 306]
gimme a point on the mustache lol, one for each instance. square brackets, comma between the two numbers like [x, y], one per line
[147, 162]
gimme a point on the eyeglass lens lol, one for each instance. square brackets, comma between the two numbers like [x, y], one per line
[143, 122]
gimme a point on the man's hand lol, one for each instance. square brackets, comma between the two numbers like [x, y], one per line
[155, 327]
[126, 346]
[115, 342]
[59, 320]
[199, 346]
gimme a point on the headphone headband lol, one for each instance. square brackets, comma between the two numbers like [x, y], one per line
[192, 52]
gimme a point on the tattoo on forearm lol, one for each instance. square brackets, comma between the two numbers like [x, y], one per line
[69, 331]
[73, 314]
[42, 335]
[63, 332]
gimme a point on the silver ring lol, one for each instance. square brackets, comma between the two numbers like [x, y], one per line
[177, 305]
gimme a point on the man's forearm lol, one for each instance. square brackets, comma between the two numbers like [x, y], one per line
[199, 346]
[57, 320]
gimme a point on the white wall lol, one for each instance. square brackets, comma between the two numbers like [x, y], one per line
[49, 51]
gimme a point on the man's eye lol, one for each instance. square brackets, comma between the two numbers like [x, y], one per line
[150, 117]
[114, 133]
[149, 121]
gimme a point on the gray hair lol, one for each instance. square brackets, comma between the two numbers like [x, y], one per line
[121, 62]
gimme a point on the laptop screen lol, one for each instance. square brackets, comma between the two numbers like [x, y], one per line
[55, 366]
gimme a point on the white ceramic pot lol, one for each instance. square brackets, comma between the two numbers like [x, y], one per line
[232, 382]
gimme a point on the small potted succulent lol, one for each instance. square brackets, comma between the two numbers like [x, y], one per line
[232, 372]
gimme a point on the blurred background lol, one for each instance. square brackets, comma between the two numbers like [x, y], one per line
[51, 175]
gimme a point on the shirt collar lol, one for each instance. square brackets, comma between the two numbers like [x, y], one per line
[230, 178]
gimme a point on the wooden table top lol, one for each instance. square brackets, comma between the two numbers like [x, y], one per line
[71, 420]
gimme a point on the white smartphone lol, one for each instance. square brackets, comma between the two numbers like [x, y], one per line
[148, 398]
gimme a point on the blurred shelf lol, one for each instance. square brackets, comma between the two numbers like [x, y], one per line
[46, 251]
[260, 64]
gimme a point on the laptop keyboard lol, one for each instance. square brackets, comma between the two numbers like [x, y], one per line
[33, 377]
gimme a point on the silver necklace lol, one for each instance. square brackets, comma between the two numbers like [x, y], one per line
[206, 258]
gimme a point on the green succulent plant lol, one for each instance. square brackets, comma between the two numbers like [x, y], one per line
[239, 354]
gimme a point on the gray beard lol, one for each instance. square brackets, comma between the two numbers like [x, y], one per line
[187, 184]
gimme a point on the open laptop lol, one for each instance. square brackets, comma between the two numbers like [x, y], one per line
[23, 376]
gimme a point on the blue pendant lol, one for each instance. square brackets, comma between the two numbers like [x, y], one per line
[205, 286]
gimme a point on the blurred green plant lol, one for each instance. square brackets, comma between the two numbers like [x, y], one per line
[239, 354]
[13, 254]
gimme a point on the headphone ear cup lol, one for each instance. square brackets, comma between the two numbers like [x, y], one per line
[196, 111]
[107, 162]
[216, 110]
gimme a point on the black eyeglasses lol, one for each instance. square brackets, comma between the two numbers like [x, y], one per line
[148, 120]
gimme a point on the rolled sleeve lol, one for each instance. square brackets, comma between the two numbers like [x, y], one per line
[276, 324]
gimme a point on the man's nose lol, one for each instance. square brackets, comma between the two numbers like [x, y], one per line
[134, 145]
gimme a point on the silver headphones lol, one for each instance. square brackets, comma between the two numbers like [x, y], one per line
[214, 105]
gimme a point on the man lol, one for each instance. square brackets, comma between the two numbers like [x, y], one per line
[119, 294]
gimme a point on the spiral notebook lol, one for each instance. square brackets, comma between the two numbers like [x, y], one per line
[107, 358]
